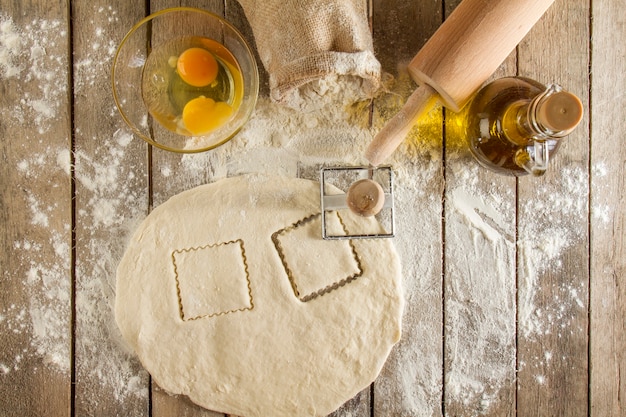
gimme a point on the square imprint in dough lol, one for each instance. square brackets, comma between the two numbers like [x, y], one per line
[316, 266]
[212, 280]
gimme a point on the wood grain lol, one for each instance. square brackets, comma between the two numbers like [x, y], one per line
[164, 187]
[553, 350]
[35, 212]
[110, 171]
[479, 277]
[411, 381]
[607, 110]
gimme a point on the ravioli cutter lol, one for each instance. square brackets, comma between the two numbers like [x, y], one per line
[366, 192]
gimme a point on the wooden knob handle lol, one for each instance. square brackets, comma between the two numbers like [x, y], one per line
[365, 198]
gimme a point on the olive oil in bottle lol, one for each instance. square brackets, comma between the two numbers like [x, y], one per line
[514, 124]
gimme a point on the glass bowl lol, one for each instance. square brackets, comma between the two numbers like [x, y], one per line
[151, 97]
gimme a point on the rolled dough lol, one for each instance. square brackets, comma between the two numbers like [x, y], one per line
[229, 295]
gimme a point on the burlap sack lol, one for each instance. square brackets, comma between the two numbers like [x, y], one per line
[300, 41]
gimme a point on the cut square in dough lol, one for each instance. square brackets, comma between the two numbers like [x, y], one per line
[212, 280]
[327, 264]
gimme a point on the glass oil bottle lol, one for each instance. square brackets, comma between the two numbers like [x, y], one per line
[514, 124]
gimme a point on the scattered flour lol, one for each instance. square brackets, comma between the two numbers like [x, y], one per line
[550, 231]
[479, 289]
[27, 58]
[48, 71]
[111, 195]
[90, 70]
[481, 307]
[293, 142]
[601, 212]
[36, 80]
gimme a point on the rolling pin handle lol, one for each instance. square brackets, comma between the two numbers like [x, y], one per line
[394, 132]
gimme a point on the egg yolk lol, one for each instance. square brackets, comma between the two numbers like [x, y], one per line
[197, 67]
[202, 115]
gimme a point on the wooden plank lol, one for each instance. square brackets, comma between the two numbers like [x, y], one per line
[608, 216]
[111, 191]
[479, 277]
[169, 179]
[553, 232]
[400, 29]
[411, 381]
[35, 210]
[359, 405]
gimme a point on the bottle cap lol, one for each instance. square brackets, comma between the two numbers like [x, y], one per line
[561, 111]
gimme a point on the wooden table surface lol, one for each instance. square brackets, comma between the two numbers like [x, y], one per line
[515, 300]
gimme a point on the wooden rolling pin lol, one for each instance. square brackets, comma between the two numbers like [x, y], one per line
[462, 54]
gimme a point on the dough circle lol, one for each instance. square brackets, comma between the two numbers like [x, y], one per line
[228, 295]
